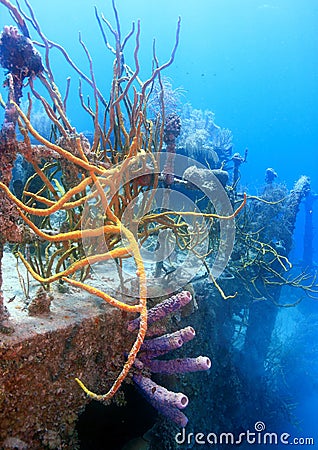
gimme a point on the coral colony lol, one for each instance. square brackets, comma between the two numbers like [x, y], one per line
[107, 173]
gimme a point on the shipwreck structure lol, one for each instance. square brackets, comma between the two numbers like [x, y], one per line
[113, 268]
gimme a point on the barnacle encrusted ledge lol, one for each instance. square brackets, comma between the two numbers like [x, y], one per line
[40, 400]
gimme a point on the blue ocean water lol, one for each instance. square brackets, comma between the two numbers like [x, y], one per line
[254, 63]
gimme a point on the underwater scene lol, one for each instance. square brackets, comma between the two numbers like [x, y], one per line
[158, 224]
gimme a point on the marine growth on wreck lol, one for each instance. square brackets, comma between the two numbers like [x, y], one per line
[139, 258]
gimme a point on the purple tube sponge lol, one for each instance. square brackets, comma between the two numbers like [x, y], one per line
[160, 394]
[164, 308]
[164, 344]
[166, 402]
[186, 334]
[179, 365]
[173, 414]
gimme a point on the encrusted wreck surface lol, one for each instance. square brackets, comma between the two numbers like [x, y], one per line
[39, 398]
